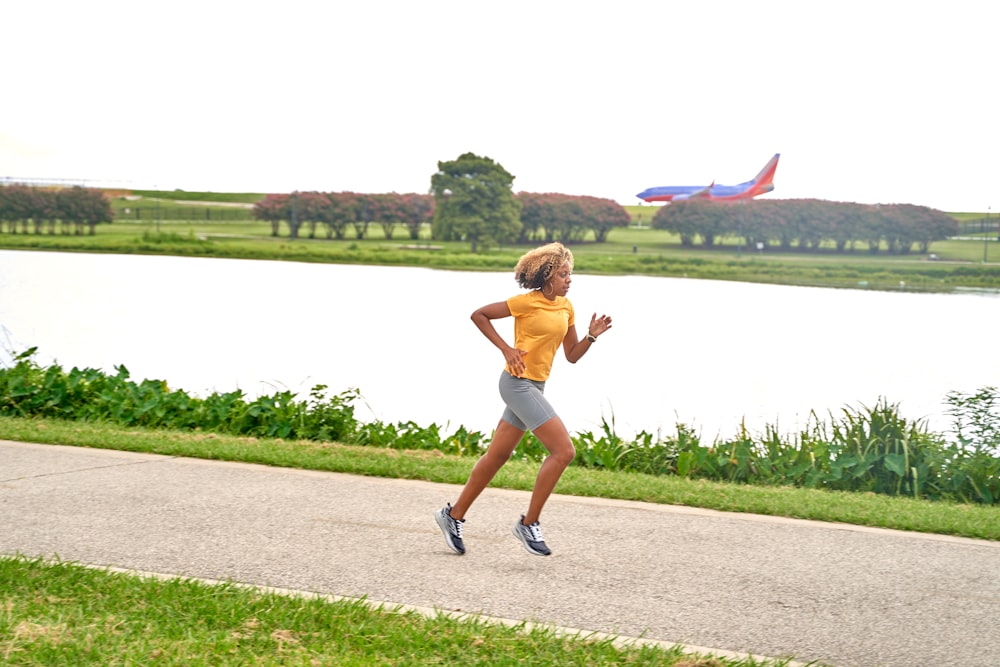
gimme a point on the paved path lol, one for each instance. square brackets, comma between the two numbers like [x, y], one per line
[842, 595]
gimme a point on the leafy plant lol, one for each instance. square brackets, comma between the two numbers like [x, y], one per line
[864, 449]
[606, 452]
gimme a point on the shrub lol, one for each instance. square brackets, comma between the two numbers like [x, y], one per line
[864, 449]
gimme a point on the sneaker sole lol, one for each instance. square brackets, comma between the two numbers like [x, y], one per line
[442, 523]
[524, 543]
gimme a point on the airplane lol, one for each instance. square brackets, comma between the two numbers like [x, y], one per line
[761, 183]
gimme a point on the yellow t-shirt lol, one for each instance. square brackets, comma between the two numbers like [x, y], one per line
[540, 325]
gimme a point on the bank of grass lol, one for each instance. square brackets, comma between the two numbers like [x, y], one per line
[866, 509]
[636, 250]
[66, 614]
[208, 198]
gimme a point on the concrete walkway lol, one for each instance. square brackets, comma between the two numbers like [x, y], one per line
[838, 594]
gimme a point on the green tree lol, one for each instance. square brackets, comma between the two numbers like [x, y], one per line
[473, 201]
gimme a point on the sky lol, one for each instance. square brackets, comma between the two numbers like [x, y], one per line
[873, 102]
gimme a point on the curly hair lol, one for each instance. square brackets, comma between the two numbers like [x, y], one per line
[536, 266]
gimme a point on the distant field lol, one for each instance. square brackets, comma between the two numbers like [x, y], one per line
[220, 225]
[207, 197]
[641, 213]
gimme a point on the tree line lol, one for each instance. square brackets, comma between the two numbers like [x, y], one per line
[471, 200]
[27, 209]
[807, 224]
[333, 213]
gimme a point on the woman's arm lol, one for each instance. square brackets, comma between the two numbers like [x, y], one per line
[483, 318]
[574, 347]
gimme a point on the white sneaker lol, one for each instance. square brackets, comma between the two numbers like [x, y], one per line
[452, 529]
[531, 537]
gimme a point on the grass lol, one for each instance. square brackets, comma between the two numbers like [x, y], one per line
[868, 509]
[214, 227]
[64, 614]
[627, 252]
[207, 197]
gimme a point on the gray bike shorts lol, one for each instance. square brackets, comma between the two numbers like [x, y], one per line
[527, 407]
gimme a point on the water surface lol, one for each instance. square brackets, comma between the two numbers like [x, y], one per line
[705, 353]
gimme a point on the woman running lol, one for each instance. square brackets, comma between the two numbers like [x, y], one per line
[543, 320]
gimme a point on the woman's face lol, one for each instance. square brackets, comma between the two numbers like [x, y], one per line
[559, 281]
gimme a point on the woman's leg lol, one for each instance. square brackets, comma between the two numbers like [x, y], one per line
[504, 442]
[556, 439]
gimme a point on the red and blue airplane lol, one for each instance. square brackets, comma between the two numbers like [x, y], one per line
[761, 183]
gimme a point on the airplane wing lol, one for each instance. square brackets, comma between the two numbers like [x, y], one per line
[703, 193]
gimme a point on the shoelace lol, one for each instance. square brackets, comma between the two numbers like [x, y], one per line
[456, 527]
[536, 532]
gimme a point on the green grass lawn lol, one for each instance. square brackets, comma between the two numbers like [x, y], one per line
[64, 614]
[629, 251]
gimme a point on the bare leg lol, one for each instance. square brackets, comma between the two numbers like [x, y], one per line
[505, 440]
[556, 439]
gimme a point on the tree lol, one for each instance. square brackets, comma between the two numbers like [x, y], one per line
[603, 215]
[46, 210]
[340, 212]
[366, 209]
[674, 217]
[715, 221]
[388, 212]
[272, 209]
[309, 210]
[556, 215]
[84, 207]
[535, 214]
[417, 209]
[473, 201]
[17, 204]
[907, 225]
[294, 218]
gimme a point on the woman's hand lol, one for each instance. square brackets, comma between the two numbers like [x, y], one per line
[598, 325]
[515, 360]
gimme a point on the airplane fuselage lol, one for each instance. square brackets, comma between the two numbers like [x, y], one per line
[761, 184]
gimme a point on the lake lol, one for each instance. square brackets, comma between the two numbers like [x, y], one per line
[704, 353]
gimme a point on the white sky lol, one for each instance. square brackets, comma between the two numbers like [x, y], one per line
[876, 101]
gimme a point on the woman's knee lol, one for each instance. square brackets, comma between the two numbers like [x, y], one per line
[563, 454]
[556, 439]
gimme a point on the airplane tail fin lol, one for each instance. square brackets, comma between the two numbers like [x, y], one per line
[766, 175]
[763, 182]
